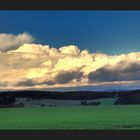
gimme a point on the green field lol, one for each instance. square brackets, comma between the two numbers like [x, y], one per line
[77, 117]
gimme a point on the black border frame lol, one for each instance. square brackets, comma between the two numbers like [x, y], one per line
[70, 134]
[70, 5]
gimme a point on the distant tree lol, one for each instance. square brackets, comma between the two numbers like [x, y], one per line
[95, 103]
[11, 100]
[5, 101]
[42, 105]
[21, 105]
[84, 102]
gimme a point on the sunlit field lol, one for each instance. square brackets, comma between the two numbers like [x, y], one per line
[71, 117]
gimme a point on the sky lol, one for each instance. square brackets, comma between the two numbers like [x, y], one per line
[52, 49]
[111, 32]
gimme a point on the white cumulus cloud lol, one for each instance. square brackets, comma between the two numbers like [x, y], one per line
[11, 41]
[40, 66]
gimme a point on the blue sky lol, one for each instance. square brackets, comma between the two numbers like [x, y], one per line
[111, 32]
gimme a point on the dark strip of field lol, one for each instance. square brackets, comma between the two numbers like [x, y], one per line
[74, 95]
[8, 98]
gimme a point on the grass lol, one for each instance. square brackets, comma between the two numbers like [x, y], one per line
[106, 101]
[77, 117]
[33, 103]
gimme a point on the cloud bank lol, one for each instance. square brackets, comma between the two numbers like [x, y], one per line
[29, 65]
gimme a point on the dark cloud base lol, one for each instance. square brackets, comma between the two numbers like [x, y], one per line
[129, 73]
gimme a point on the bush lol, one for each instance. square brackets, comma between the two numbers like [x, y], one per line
[90, 103]
[42, 105]
[95, 103]
[20, 105]
[84, 102]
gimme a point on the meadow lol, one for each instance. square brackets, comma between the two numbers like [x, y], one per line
[71, 117]
[38, 102]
